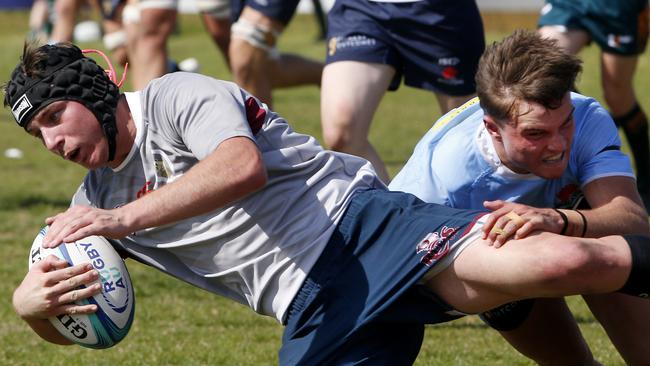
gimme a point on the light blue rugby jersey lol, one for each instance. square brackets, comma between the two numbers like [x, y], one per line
[449, 166]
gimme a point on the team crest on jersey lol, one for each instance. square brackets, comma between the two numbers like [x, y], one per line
[570, 197]
[435, 245]
[162, 165]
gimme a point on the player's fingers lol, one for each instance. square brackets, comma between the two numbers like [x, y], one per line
[525, 230]
[488, 225]
[79, 233]
[493, 205]
[49, 263]
[61, 224]
[80, 294]
[498, 228]
[50, 239]
[71, 277]
[508, 230]
[76, 309]
[493, 224]
[515, 218]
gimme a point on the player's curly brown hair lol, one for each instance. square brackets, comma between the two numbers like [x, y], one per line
[524, 67]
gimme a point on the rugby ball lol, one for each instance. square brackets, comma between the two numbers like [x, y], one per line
[116, 302]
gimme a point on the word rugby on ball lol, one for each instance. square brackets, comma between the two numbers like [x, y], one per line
[116, 302]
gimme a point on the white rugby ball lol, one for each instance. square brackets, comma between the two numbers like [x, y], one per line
[116, 302]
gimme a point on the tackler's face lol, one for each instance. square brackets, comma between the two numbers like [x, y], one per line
[539, 140]
[70, 130]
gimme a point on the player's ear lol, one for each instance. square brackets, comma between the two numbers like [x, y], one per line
[492, 127]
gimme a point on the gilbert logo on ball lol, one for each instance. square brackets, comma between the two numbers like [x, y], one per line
[116, 302]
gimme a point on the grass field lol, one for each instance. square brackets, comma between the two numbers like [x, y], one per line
[177, 324]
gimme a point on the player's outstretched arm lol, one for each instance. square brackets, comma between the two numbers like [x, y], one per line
[49, 289]
[617, 208]
[235, 169]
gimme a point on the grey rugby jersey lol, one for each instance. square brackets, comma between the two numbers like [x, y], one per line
[259, 249]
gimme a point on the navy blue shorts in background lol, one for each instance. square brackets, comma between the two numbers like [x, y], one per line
[362, 299]
[280, 10]
[434, 44]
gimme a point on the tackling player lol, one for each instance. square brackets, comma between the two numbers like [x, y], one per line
[620, 29]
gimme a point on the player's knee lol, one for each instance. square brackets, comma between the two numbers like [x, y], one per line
[244, 69]
[338, 130]
[337, 139]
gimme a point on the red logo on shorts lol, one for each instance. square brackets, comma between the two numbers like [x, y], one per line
[435, 245]
[450, 72]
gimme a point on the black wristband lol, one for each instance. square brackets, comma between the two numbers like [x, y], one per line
[564, 219]
[584, 223]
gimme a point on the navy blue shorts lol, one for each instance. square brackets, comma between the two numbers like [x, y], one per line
[363, 299]
[280, 10]
[434, 44]
[618, 27]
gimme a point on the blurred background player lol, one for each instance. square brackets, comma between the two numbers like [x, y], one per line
[149, 23]
[39, 20]
[620, 29]
[256, 64]
[55, 21]
[433, 44]
[65, 19]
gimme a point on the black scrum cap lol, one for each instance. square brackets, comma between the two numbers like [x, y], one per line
[64, 74]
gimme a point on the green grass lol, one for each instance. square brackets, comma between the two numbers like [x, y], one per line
[177, 324]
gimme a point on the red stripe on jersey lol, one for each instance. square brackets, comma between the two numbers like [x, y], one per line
[255, 115]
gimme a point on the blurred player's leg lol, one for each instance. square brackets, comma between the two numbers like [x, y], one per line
[65, 20]
[294, 70]
[147, 41]
[254, 37]
[216, 16]
[448, 102]
[626, 320]
[572, 40]
[115, 41]
[39, 20]
[550, 323]
[617, 78]
[256, 64]
[350, 94]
